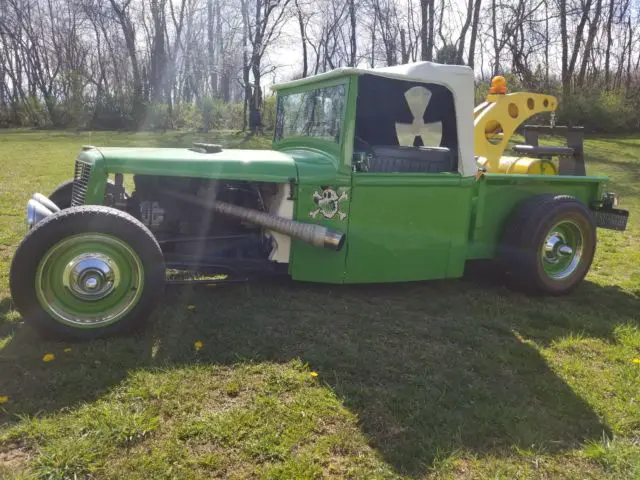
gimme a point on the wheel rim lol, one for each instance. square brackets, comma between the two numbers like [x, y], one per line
[562, 249]
[89, 280]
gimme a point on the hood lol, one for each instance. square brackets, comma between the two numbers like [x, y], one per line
[232, 164]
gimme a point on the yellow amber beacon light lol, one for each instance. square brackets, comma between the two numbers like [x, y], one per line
[498, 85]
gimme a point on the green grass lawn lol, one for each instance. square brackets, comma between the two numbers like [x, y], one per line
[446, 379]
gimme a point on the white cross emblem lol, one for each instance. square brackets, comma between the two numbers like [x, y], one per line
[418, 99]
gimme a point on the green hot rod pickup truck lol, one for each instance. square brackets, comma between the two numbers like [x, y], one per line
[373, 177]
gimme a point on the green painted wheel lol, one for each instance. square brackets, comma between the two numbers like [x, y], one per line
[89, 281]
[87, 272]
[561, 251]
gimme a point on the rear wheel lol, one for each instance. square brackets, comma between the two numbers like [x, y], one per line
[87, 272]
[549, 244]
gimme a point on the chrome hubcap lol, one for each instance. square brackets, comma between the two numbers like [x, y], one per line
[555, 248]
[91, 276]
[565, 250]
[562, 250]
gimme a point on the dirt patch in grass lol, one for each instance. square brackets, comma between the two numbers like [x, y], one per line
[14, 457]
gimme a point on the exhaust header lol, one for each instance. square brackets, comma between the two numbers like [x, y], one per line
[316, 235]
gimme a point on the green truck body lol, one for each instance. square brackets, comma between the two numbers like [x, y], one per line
[394, 225]
[415, 226]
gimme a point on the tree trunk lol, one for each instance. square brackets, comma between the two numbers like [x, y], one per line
[220, 60]
[463, 33]
[576, 46]
[496, 48]
[444, 40]
[246, 67]
[546, 44]
[130, 41]
[628, 80]
[593, 29]
[474, 31]
[255, 100]
[430, 32]
[211, 50]
[158, 53]
[373, 41]
[562, 5]
[607, 54]
[404, 52]
[426, 29]
[303, 39]
[352, 34]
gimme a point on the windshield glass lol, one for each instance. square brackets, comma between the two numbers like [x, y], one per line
[313, 113]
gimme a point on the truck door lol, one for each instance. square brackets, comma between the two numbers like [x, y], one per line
[410, 207]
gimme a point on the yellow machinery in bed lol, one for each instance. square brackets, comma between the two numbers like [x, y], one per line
[497, 119]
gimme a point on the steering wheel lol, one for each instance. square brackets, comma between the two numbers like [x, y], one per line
[360, 145]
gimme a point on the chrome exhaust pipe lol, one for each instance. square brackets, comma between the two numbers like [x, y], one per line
[316, 235]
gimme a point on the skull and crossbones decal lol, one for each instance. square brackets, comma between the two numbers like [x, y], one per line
[328, 203]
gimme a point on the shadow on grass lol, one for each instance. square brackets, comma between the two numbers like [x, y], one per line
[427, 367]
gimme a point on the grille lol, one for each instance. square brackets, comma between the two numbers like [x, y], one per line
[81, 177]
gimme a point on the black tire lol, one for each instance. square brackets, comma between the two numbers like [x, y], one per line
[86, 220]
[61, 195]
[521, 249]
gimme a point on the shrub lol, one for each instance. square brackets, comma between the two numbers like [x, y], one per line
[158, 117]
[219, 115]
[113, 113]
[599, 111]
[186, 117]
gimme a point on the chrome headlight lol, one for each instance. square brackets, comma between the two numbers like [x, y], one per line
[36, 212]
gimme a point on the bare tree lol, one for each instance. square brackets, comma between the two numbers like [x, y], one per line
[262, 22]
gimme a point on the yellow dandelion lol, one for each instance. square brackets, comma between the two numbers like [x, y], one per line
[191, 308]
[198, 345]
[636, 360]
[3, 399]
[48, 357]
[314, 374]
[67, 350]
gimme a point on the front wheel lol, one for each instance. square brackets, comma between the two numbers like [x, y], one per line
[87, 272]
[549, 244]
